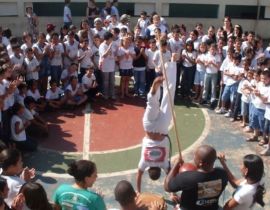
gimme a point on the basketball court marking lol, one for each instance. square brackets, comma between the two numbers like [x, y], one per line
[86, 132]
[132, 171]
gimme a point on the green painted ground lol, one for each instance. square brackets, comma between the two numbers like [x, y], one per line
[190, 123]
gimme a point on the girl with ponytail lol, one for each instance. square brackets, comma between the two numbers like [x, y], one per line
[248, 190]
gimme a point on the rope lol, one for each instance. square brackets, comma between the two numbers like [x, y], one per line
[170, 102]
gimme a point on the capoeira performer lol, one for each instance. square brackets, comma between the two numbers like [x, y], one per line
[157, 118]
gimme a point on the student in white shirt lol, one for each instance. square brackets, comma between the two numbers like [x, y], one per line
[89, 84]
[150, 68]
[98, 29]
[56, 55]
[143, 22]
[34, 92]
[85, 55]
[231, 86]
[17, 59]
[200, 72]
[212, 63]
[74, 93]
[54, 96]
[126, 54]
[107, 54]
[249, 189]
[246, 89]
[32, 65]
[18, 134]
[67, 18]
[260, 95]
[189, 56]
[67, 73]
[71, 50]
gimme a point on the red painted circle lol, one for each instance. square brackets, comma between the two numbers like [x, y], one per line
[114, 125]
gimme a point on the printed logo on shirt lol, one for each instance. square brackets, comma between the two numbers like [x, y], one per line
[209, 189]
[154, 154]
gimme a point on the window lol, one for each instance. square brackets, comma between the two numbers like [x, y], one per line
[194, 10]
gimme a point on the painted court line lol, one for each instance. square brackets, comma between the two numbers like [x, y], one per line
[185, 152]
[86, 132]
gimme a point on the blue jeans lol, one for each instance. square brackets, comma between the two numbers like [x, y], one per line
[139, 77]
[258, 119]
[266, 127]
[229, 92]
[56, 72]
[210, 80]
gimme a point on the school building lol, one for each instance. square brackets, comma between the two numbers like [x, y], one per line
[251, 14]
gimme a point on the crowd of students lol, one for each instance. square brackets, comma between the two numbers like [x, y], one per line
[226, 67]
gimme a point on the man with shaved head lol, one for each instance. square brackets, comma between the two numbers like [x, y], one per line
[202, 188]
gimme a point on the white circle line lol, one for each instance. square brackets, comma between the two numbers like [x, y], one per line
[133, 171]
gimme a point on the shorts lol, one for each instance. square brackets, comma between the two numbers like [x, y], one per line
[258, 119]
[199, 78]
[244, 109]
[126, 72]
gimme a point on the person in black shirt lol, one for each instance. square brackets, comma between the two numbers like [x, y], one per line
[202, 188]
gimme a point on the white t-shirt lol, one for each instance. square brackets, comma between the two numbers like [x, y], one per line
[87, 82]
[264, 91]
[5, 41]
[15, 60]
[157, 61]
[127, 61]
[143, 25]
[67, 12]
[176, 46]
[35, 95]
[235, 70]
[150, 58]
[152, 28]
[226, 64]
[107, 63]
[31, 65]
[267, 52]
[244, 195]
[200, 66]
[50, 95]
[22, 135]
[211, 69]
[65, 74]
[154, 154]
[57, 58]
[191, 55]
[267, 108]
[19, 99]
[87, 59]
[73, 92]
[27, 115]
[245, 97]
[9, 100]
[14, 184]
[72, 50]
[99, 32]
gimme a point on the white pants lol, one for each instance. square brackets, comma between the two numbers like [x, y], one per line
[157, 117]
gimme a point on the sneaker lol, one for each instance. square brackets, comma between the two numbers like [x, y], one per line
[221, 111]
[265, 152]
[228, 114]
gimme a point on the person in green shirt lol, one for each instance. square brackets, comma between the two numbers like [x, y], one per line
[77, 196]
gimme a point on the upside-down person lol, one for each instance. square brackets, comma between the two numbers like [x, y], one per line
[156, 121]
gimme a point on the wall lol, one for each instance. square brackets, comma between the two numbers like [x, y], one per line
[12, 12]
